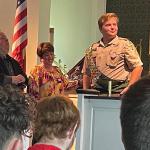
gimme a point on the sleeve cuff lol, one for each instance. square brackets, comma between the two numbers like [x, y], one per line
[7, 80]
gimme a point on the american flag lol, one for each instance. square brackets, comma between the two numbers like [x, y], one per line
[20, 33]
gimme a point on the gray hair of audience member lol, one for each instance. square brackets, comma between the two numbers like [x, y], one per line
[135, 116]
[16, 114]
[55, 117]
[3, 49]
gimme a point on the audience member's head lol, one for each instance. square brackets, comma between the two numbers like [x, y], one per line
[15, 117]
[57, 122]
[135, 116]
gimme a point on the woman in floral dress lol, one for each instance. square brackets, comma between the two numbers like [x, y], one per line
[45, 79]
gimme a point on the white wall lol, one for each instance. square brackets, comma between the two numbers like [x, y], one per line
[38, 29]
[75, 27]
[7, 10]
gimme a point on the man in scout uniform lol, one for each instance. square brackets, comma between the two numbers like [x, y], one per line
[112, 59]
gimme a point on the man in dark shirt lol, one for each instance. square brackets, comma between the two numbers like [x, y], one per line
[10, 70]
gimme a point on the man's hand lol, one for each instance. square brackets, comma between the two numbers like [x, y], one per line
[124, 90]
[18, 79]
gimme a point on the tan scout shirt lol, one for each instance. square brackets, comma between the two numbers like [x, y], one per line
[115, 60]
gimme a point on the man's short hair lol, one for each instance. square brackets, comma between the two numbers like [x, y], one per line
[55, 116]
[135, 116]
[16, 113]
[106, 17]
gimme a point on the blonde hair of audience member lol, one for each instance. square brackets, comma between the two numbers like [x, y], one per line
[57, 122]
